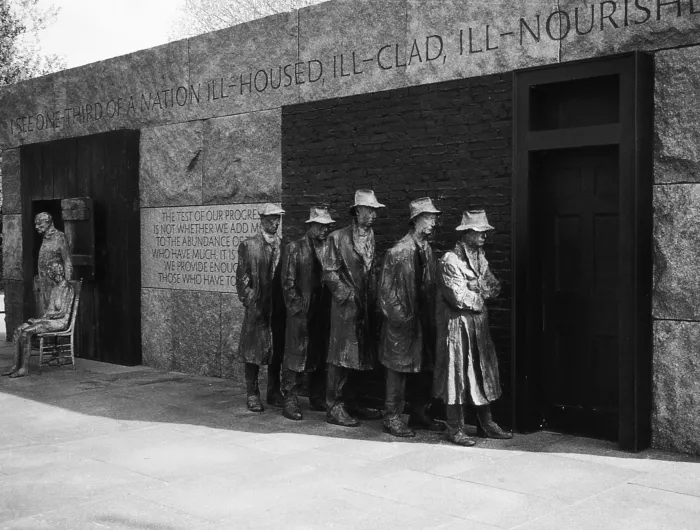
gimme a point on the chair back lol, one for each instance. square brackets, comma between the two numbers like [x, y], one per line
[77, 284]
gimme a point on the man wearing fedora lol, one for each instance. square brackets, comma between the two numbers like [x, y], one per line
[349, 274]
[259, 290]
[308, 312]
[407, 301]
[466, 367]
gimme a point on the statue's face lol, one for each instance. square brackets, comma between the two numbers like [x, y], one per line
[270, 223]
[55, 272]
[365, 216]
[42, 225]
[319, 231]
[474, 239]
[425, 223]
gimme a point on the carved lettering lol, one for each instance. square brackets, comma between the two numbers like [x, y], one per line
[438, 43]
[310, 70]
[579, 31]
[260, 82]
[662, 3]
[415, 52]
[379, 58]
[525, 26]
[609, 16]
[563, 19]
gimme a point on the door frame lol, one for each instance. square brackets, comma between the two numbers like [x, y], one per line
[633, 135]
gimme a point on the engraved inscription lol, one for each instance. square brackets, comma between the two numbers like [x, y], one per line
[196, 247]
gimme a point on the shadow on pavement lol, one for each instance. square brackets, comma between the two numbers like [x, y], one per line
[142, 394]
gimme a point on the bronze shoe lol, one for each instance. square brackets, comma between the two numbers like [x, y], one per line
[396, 427]
[254, 403]
[493, 431]
[487, 428]
[460, 438]
[339, 416]
[292, 411]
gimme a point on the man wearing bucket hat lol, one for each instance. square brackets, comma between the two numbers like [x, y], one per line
[258, 288]
[349, 274]
[466, 367]
[308, 311]
[407, 301]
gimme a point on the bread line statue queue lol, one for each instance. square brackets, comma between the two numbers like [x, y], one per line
[310, 309]
[434, 331]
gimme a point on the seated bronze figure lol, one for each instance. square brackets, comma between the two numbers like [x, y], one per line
[56, 318]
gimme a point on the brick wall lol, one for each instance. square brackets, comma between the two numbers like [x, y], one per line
[451, 141]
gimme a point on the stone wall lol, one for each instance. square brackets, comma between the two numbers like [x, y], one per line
[210, 113]
[676, 298]
[226, 161]
[333, 49]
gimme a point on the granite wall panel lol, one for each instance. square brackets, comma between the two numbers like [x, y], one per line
[592, 29]
[479, 38]
[246, 67]
[171, 166]
[676, 387]
[242, 158]
[12, 248]
[11, 185]
[676, 116]
[363, 52]
[676, 294]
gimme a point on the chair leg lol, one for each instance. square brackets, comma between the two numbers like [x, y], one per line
[72, 352]
[41, 353]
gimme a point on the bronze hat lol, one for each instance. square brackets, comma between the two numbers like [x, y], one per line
[270, 209]
[422, 205]
[366, 198]
[475, 220]
[319, 215]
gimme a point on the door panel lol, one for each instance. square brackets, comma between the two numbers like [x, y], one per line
[103, 167]
[576, 197]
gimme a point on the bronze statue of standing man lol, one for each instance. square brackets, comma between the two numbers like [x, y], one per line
[258, 287]
[407, 300]
[308, 315]
[54, 246]
[350, 277]
[466, 367]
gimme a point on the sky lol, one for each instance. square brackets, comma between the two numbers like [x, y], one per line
[87, 31]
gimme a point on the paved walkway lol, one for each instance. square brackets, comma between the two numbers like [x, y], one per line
[134, 448]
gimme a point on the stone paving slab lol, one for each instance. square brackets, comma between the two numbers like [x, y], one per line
[116, 447]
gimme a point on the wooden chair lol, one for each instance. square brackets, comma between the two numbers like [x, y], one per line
[60, 344]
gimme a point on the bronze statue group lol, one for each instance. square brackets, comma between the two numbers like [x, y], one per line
[434, 322]
[56, 293]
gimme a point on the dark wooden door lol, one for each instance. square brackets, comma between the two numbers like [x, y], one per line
[576, 193]
[103, 167]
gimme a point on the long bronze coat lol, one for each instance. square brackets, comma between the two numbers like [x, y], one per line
[466, 367]
[54, 246]
[308, 307]
[407, 301]
[352, 341]
[258, 288]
